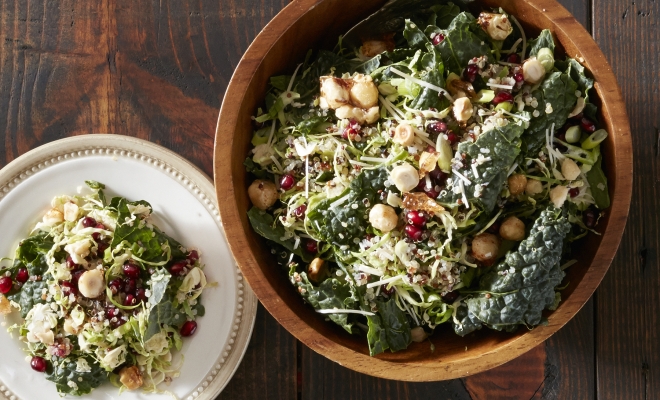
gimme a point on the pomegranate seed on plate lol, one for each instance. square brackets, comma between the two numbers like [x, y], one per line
[574, 192]
[588, 125]
[177, 268]
[130, 300]
[88, 222]
[451, 137]
[5, 284]
[22, 275]
[287, 181]
[131, 270]
[70, 263]
[38, 364]
[192, 256]
[518, 77]
[141, 295]
[188, 329]
[115, 285]
[130, 284]
[300, 211]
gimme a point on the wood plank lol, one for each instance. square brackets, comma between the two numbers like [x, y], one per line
[269, 367]
[628, 347]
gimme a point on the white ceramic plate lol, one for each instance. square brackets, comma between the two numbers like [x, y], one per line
[184, 205]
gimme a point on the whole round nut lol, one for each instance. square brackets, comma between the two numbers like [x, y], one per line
[263, 194]
[91, 283]
[512, 229]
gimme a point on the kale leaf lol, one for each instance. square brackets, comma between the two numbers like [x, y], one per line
[264, 224]
[598, 184]
[83, 382]
[31, 253]
[519, 288]
[543, 40]
[502, 145]
[464, 40]
[340, 224]
[557, 90]
[164, 313]
[578, 73]
[29, 295]
[388, 329]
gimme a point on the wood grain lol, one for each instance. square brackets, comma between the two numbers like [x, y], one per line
[628, 344]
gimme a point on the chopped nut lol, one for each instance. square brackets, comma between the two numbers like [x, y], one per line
[427, 163]
[533, 187]
[570, 169]
[558, 195]
[5, 305]
[497, 26]
[130, 377]
[317, 270]
[404, 135]
[418, 334]
[462, 109]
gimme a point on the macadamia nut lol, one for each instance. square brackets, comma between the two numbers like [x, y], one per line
[383, 217]
[485, 247]
[533, 187]
[462, 109]
[517, 184]
[263, 194]
[404, 135]
[512, 228]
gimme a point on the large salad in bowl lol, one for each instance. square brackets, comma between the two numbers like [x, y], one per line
[433, 175]
[103, 294]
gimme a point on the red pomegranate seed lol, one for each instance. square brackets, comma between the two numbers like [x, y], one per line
[471, 72]
[101, 246]
[188, 329]
[287, 181]
[76, 275]
[111, 312]
[494, 229]
[438, 176]
[130, 300]
[574, 192]
[513, 58]
[38, 364]
[129, 285]
[96, 236]
[88, 222]
[193, 256]
[311, 246]
[131, 270]
[99, 226]
[22, 275]
[437, 39]
[589, 218]
[177, 268]
[452, 138]
[300, 211]
[388, 292]
[115, 285]
[450, 297]
[437, 127]
[120, 321]
[68, 288]
[588, 125]
[70, 263]
[6, 284]
[141, 295]
[414, 232]
[431, 192]
[518, 77]
[416, 218]
[501, 97]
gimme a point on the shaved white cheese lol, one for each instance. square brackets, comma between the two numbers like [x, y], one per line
[513, 168]
[340, 311]
[394, 110]
[474, 170]
[465, 200]
[463, 178]
[497, 85]
[369, 270]
[514, 115]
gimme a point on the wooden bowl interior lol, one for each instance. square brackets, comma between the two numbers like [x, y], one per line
[309, 24]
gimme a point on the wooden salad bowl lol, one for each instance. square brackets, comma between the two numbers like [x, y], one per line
[308, 24]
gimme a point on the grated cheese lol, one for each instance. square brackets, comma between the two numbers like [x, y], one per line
[343, 311]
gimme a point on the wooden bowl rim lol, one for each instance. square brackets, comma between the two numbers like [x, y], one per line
[612, 103]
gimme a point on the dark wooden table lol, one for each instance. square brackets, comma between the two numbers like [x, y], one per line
[158, 70]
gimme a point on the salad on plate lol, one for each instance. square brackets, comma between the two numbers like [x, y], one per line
[103, 294]
[436, 174]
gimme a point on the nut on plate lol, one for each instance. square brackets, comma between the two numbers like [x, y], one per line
[5, 305]
[131, 377]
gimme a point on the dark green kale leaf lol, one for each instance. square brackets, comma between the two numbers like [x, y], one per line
[519, 288]
[83, 382]
[164, 313]
[340, 224]
[388, 329]
[442, 15]
[331, 293]
[578, 73]
[558, 90]
[31, 253]
[464, 40]
[598, 184]
[430, 67]
[264, 224]
[99, 187]
[544, 40]
[29, 295]
[502, 145]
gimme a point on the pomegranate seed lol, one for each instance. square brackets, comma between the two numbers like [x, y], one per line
[141, 295]
[518, 77]
[471, 72]
[452, 138]
[577, 117]
[414, 232]
[287, 181]
[574, 192]
[99, 226]
[300, 211]
[438, 176]
[68, 288]
[502, 97]
[588, 125]
[350, 132]
[129, 285]
[88, 222]
[70, 263]
[416, 218]
[589, 218]
[131, 270]
[130, 300]
[6, 284]
[120, 321]
[188, 329]
[115, 285]
[431, 192]
[22, 275]
[437, 127]
[384, 290]
[38, 364]
[513, 58]
[177, 268]
[96, 236]
[111, 312]
[193, 256]
[311, 246]
[437, 39]
[101, 247]
[450, 297]
[76, 275]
